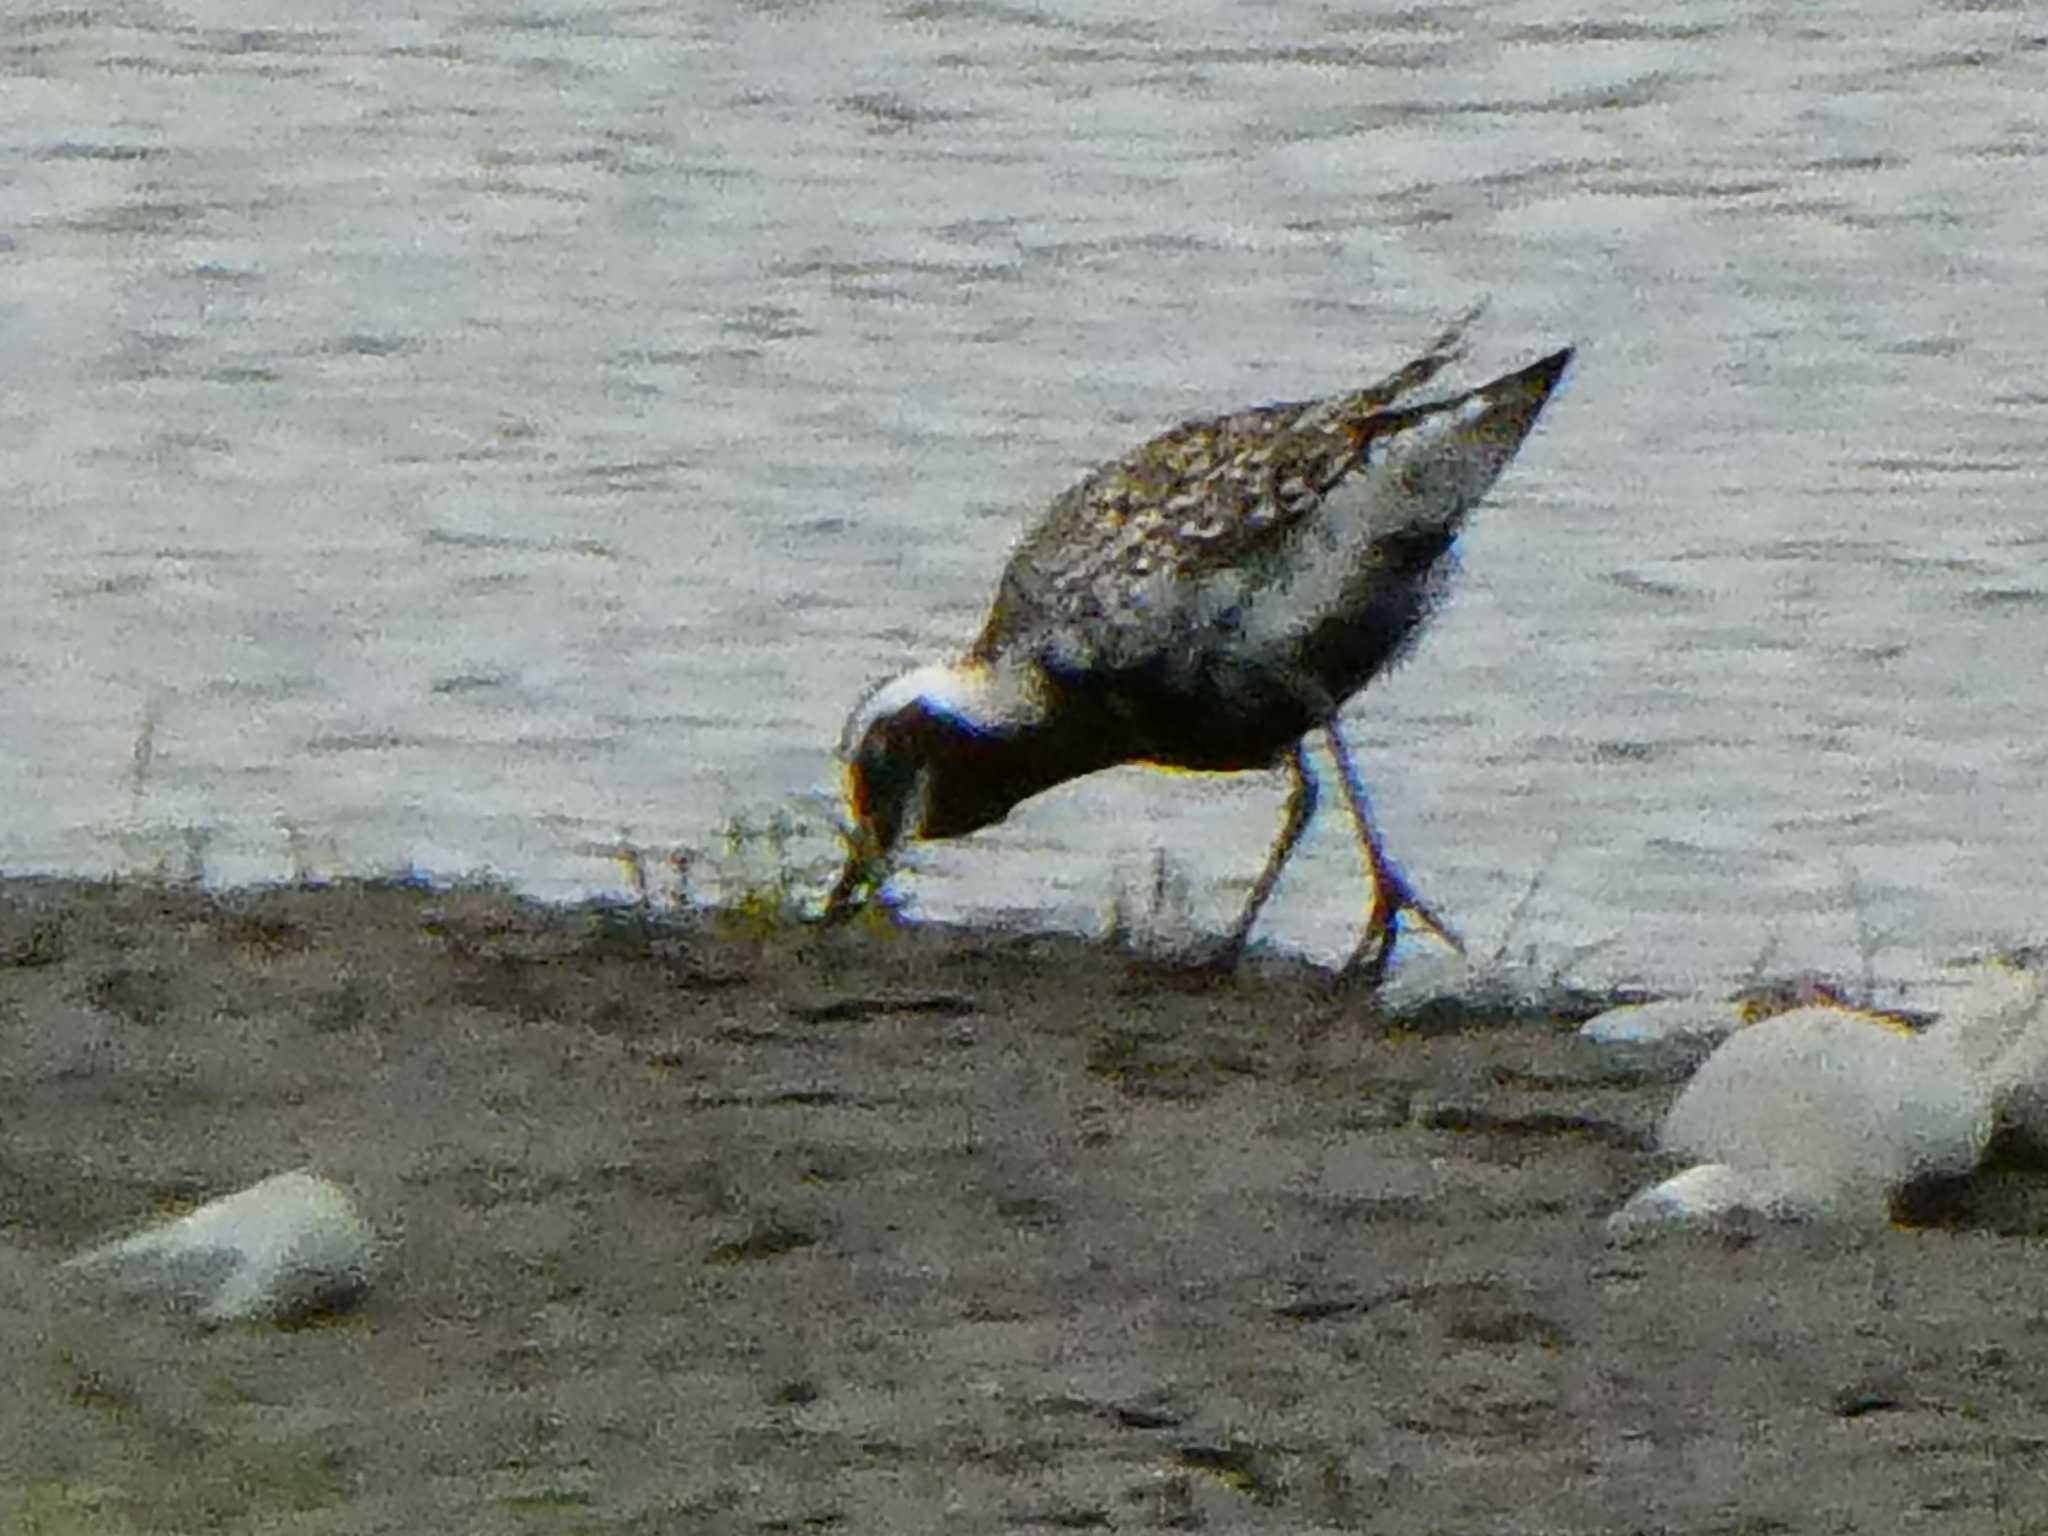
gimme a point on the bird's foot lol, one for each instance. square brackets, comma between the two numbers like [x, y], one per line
[1392, 897]
[1427, 920]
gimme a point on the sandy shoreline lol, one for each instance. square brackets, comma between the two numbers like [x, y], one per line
[709, 1227]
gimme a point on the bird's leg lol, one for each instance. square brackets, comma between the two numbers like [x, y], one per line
[1391, 893]
[1301, 809]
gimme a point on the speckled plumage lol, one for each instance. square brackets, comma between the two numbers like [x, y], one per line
[1085, 585]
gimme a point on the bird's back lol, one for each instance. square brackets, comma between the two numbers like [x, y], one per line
[1212, 595]
[1099, 578]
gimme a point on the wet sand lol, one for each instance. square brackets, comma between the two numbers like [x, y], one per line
[716, 1224]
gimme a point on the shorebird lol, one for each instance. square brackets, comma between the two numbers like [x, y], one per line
[1202, 603]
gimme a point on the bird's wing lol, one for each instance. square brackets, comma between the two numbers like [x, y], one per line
[1103, 579]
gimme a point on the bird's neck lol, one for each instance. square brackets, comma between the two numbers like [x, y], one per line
[1008, 736]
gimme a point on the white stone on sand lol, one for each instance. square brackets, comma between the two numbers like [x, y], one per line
[293, 1245]
[1666, 1018]
[1828, 1111]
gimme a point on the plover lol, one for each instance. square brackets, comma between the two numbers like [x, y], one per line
[1202, 603]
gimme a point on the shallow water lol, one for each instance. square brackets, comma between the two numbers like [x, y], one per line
[470, 439]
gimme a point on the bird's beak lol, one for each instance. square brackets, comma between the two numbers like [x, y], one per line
[857, 881]
[840, 904]
[866, 860]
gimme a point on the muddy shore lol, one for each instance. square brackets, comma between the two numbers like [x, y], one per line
[717, 1225]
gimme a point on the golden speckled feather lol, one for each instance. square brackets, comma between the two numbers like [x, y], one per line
[1203, 496]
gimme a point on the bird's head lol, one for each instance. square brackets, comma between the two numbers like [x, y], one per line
[911, 753]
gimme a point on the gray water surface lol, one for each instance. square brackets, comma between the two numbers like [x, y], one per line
[468, 436]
